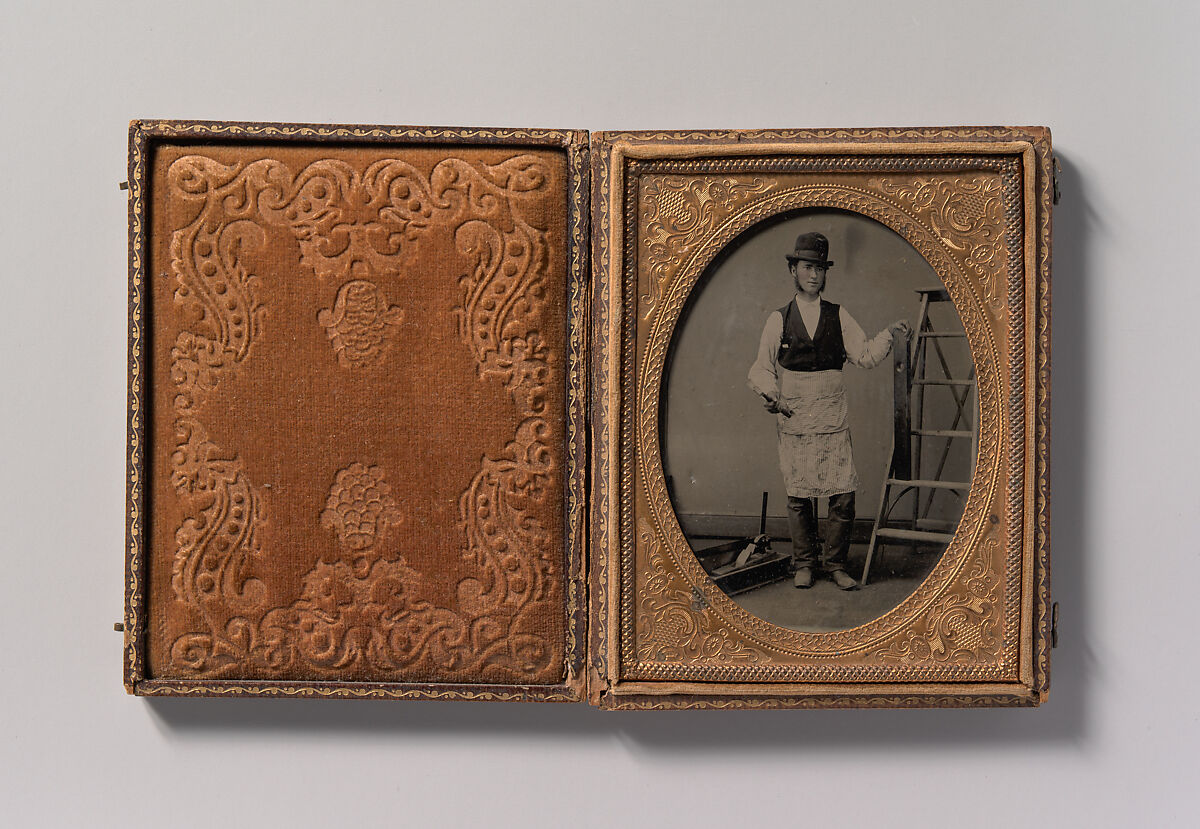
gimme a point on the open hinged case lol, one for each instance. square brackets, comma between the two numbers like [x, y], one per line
[463, 413]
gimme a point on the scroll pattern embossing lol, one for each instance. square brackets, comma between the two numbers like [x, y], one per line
[215, 544]
[612, 200]
[695, 701]
[363, 611]
[670, 628]
[1042, 422]
[505, 286]
[367, 613]
[968, 216]
[605, 420]
[677, 211]
[679, 568]
[961, 626]
[919, 134]
[574, 577]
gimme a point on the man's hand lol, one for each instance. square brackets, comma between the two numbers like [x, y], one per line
[775, 406]
[901, 328]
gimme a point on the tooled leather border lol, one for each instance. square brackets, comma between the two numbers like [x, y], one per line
[142, 135]
[608, 495]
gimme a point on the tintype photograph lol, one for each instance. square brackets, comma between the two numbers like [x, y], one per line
[819, 420]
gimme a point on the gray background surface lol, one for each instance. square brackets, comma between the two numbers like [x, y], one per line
[1116, 744]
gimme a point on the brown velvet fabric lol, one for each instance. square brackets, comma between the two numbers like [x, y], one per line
[357, 454]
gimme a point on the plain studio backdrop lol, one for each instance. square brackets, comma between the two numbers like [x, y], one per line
[1116, 743]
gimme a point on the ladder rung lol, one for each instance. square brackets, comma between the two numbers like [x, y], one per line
[922, 484]
[940, 334]
[938, 294]
[914, 535]
[936, 523]
[943, 382]
[942, 433]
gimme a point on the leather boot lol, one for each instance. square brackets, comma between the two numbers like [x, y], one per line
[803, 578]
[843, 580]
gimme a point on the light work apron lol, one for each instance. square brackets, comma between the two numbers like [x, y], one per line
[815, 455]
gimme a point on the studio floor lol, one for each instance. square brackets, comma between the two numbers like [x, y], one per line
[823, 607]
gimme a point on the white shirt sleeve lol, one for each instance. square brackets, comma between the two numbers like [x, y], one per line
[762, 378]
[859, 350]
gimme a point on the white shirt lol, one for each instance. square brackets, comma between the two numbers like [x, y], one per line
[860, 351]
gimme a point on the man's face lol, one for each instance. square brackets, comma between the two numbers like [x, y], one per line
[810, 278]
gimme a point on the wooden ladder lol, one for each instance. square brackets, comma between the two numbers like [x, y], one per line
[905, 473]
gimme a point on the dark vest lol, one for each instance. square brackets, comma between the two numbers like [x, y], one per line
[822, 352]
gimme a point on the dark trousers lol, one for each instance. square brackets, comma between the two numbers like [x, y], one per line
[802, 520]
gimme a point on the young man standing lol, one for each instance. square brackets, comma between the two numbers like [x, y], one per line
[799, 374]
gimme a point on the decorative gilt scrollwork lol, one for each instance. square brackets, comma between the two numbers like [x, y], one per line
[967, 213]
[677, 212]
[953, 604]
[961, 627]
[670, 626]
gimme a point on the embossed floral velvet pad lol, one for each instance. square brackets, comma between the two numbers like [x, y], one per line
[356, 426]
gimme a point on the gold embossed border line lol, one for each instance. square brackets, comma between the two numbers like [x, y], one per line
[1026, 379]
[574, 143]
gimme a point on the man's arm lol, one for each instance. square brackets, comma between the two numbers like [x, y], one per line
[863, 352]
[762, 378]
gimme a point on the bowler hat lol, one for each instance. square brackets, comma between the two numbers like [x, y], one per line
[811, 247]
